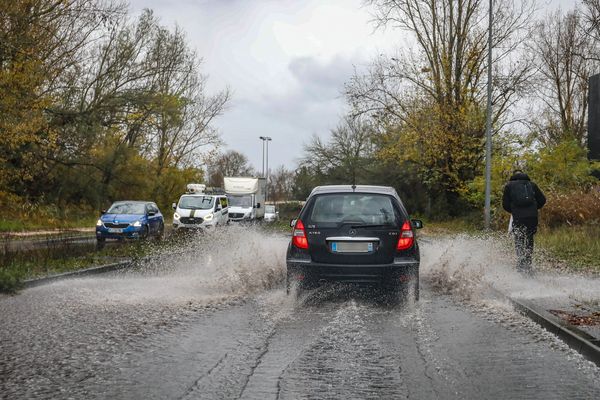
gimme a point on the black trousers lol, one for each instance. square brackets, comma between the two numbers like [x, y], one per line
[524, 229]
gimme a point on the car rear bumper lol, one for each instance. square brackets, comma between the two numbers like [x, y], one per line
[310, 272]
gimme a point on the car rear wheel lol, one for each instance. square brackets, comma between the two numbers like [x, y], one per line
[292, 285]
[402, 290]
[409, 291]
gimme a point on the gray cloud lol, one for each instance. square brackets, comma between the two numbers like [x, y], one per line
[322, 76]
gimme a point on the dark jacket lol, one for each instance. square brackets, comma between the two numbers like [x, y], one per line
[519, 213]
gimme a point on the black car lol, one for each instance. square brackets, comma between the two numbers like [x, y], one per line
[357, 234]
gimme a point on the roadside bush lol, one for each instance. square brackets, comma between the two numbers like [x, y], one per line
[10, 280]
[572, 208]
[564, 167]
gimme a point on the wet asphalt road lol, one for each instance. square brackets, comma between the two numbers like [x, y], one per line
[176, 334]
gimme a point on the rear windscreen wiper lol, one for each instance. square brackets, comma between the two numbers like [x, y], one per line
[372, 226]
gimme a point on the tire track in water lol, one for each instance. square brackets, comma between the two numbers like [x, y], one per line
[196, 384]
[257, 362]
[344, 361]
[293, 327]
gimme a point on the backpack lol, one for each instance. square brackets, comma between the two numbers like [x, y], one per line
[521, 194]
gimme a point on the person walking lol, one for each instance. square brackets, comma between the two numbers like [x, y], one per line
[522, 198]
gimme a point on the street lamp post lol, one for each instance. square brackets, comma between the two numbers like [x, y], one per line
[262, 138]
[488, 128]
[266, 139]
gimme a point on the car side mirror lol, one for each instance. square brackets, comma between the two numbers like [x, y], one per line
[293, 222]
[417, 223]
[218, 207]
[103, 212]
[257, 205]
[151, 213]
[174, 206]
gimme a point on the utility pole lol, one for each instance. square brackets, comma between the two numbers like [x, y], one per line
[488, 129]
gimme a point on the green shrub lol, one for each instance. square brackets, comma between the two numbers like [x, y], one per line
[10, 280]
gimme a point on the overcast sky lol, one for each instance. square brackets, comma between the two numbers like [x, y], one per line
[286, 62]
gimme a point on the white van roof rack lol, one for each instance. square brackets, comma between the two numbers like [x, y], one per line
[195, 188]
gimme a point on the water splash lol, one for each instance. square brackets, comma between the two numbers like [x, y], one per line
[231, 262]
[467, 265]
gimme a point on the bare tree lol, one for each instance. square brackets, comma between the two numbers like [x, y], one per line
[230, 163]
[449, 62]
[138, 89]
[281, 184]
[591, 23]
[182, 123]
[563, 49]
[345, 155]
[431, 96]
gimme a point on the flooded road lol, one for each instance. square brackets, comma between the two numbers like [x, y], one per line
[205, 322]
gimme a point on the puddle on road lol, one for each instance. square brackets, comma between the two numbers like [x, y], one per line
[467, 267]
[92, 320]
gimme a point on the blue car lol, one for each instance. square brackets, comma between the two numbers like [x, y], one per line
[130, 220]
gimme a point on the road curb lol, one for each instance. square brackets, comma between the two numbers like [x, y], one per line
[99, 269]
[580, 341]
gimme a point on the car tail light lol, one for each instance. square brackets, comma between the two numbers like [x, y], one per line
[407, 238]
[299, 236]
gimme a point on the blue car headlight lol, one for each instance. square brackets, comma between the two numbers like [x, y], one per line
[99, 222]
[137, 224]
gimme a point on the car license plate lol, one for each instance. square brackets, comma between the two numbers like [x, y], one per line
[352, 247]
[115, 230]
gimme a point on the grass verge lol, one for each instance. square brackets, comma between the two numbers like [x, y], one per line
[570, 248]
[33, 223]
[279, 225]
[576, 247]
[16, 267]
[442, 228]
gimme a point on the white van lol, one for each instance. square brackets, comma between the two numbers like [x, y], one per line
[246, 197]
[200, 211]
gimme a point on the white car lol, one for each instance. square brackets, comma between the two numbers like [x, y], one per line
[200, 211]
[271, 214]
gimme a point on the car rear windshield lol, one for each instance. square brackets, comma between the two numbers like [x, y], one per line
[196, 202]
[270, 209]
[359, 208]
[127, 208]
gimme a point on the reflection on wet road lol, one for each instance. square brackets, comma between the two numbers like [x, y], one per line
[178, 333]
